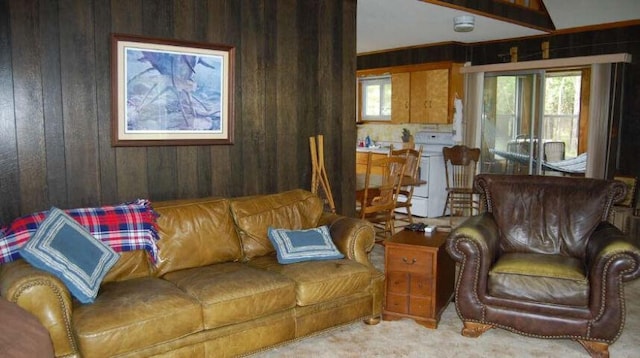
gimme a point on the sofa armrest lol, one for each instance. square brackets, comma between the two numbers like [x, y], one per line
[353, 237]
[44, 296]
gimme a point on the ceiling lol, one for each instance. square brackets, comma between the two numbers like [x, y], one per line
[390, 24]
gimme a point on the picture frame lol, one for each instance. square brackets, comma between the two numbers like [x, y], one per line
[170, 92]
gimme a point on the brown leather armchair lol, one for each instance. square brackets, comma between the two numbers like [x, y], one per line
[543, 261]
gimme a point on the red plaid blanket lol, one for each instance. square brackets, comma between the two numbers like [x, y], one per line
[124, 227]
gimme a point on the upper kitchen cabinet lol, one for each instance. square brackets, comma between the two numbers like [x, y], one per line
[400, 97]
[429, 96]
[419, 93]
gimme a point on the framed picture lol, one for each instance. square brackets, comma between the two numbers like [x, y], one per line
[169, 92]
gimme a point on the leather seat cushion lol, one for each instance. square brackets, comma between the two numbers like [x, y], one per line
[234, 292]
[133, 314]
[554, 279]
[338, 278]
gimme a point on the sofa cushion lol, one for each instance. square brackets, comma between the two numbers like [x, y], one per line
[546, 278]
[303, 245]
[123, 315]
[195, 233]
[294, 210]
[66, 249]
[234, 292]
[320, 281]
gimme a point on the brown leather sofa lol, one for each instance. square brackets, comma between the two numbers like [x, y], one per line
[217, 289]
[543, 261]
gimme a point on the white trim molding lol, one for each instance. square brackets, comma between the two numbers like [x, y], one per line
[547, 64]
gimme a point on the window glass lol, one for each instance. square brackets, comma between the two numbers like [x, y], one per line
[376, 98]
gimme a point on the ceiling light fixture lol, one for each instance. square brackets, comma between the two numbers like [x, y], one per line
[464, 23]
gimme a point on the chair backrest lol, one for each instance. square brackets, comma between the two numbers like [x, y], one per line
[460, 165]
[547, 214]
[381, 190]
[553, 151]
[412, 156]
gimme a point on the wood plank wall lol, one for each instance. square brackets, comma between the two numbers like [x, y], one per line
[624, 39]
[294, 75]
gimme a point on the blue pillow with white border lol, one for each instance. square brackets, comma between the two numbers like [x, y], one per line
[64, 248]
[303, 245]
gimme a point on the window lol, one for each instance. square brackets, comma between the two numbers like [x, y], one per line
[376, 98]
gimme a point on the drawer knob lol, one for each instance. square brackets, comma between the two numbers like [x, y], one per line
[406, 261]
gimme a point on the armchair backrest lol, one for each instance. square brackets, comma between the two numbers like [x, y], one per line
[547, 214]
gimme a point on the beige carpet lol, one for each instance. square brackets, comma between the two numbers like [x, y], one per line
[405, 338]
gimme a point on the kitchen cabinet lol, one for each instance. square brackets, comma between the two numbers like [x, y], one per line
[429, 96]
[422, 93]
[400, 96]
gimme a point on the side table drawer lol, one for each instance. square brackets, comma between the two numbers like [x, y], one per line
[420, 306]
[420, 285]
[408, 260]
[397, 303]
[398, 282]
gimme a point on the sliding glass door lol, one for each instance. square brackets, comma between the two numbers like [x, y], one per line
[526, 116]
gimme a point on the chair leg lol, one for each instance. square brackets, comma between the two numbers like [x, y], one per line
[446, 204]
[595, 349]
[409, 214]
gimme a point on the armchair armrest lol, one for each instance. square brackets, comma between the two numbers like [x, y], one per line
[44, 296]
[474, 245]
[353, 237]
[477, 236]
[611, 249]
[611, 259]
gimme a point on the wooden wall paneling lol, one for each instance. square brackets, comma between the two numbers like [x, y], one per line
[309, 109]
[29, 117]
[282, 96]
[106, 153]
[252, 84]
[9, 174]
[162, 177]
[186, 156]
[330, 85]
[162, 180]
[285, 136]
[344, 189]
[77, 71]
[131, 162]
[224, 173]
[49, 40]
[273, 96]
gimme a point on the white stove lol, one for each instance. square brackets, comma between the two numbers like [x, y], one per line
[429, 199]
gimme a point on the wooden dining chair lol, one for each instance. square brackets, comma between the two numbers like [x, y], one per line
[379, 195]
[461, 165]
[411, 174]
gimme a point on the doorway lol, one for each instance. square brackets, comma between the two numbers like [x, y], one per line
[528, 115]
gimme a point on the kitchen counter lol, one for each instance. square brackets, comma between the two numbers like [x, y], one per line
[379, 150]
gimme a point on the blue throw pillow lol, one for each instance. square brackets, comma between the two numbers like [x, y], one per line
[303, 245]
[66, 249]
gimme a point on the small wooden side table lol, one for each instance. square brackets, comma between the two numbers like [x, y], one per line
[419, 277]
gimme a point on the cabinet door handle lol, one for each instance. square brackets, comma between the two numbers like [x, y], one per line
[406, 261]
